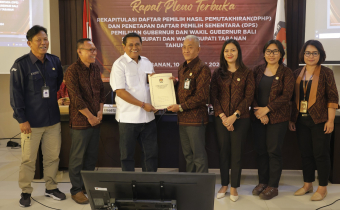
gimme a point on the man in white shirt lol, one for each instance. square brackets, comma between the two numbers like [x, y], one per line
[135, 114]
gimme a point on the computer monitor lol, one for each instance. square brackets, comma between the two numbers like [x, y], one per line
[150, 190]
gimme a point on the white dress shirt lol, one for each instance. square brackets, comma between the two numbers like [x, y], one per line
[129, 75]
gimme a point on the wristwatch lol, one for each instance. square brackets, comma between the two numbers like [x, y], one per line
[180, 108]
[237, 115]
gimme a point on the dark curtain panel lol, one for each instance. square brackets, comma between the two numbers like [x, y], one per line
[295, 31]
[71, 29]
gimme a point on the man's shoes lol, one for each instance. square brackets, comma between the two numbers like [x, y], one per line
[55, 194]
[80, 198]
[25, 200]
[259, 188]
[269, 193]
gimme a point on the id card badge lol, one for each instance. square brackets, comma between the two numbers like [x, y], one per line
[187, 84]
[45, 91]
[303, 106]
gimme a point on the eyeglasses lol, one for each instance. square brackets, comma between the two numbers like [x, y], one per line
[307, 53]
[92, 50]
[275, 52]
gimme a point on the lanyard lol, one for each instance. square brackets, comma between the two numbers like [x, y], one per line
[305, 86]
[41, 73]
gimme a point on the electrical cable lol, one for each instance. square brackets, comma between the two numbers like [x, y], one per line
[3, 139]
[160, 117]
[11, 138]
[44, 182]
[58, 182]
[327, 205]
[108, 93]
[12, 144]
[44, 204]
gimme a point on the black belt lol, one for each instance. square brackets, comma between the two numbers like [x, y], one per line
[304, 114]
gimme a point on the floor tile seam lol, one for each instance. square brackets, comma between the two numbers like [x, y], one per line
[18, 158]
[17, 171]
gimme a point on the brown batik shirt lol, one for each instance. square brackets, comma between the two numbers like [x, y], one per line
[193, 100]
[323, 94]
[234, 91]
[86, 90]
[280, 93]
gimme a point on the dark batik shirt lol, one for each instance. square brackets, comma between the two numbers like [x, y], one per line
[323, 90]
[193, 100]
[86, 90]
[232, 91]
[280, 95]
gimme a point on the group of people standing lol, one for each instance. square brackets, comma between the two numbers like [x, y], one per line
[35, 80]
[304, 100]
[269, 98]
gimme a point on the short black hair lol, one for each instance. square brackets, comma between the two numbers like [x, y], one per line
[224, 64]
[318, 46]
[81, 41]
[133, 34]
[279, 45]
[34, 31]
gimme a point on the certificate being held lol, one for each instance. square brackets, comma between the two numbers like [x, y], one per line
[162, 90]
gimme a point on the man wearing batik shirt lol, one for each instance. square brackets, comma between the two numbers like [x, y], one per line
[86, 92]
[192, 94]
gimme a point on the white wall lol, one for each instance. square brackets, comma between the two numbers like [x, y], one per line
[336, 70]
[9, 126]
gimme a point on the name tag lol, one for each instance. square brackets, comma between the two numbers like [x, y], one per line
[34, 73]
[45, 91]
[187, 83]
[303, 106]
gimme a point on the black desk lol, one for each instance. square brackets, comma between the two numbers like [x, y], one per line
[170, 152]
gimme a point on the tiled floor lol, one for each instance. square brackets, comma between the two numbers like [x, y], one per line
[290, 182]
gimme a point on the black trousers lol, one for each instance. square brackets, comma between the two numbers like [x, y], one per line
[83, 155]
[146, 135]
[315, 148]
[193, 147]
[268, 141]
[230, 146]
